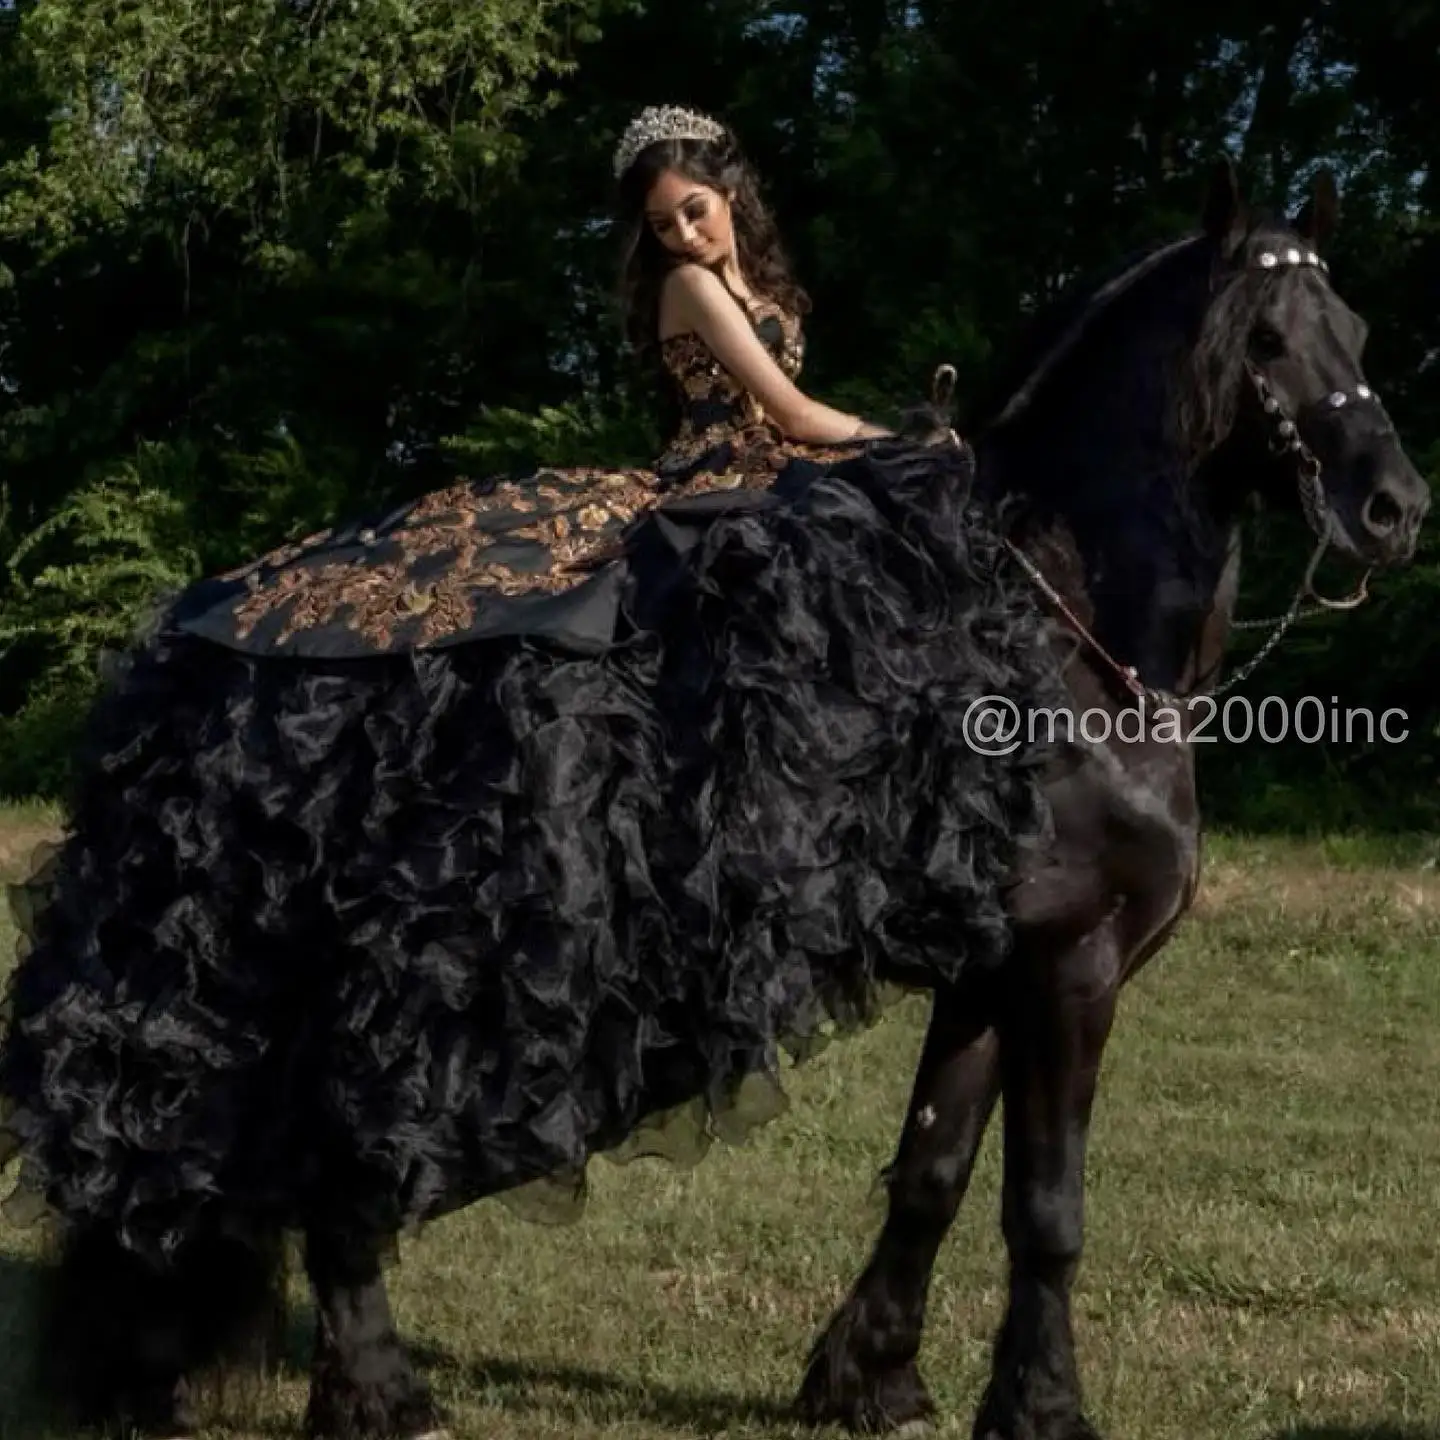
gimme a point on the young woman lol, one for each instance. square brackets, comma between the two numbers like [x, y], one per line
[707, 285]
[709, 297]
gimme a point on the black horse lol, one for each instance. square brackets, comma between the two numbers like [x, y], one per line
[313, 960]
[1153, 407]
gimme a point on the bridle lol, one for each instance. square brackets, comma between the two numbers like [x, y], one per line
[1284, 438]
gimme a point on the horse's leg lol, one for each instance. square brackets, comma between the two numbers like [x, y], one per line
[862, 1371]
[1053, 1024]
[114, 1343]
[122, 1341]
[362, 1382]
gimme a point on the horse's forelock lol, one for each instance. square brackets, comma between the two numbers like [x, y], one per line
[1209, 384]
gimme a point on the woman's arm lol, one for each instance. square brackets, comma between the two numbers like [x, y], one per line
[699, 301]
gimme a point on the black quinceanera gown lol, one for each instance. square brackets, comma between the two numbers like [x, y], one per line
[424, 859]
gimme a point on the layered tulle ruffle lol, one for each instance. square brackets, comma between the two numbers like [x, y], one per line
[355, 942]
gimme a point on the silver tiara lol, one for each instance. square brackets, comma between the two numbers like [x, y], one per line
[663, 122]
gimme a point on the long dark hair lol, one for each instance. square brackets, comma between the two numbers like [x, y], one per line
[645, 262]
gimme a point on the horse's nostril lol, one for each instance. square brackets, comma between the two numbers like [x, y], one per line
[1382, 513]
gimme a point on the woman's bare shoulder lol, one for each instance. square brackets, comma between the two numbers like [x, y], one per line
[692, 280]
[689, 292]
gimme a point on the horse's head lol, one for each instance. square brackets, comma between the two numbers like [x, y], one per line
[1280, 354]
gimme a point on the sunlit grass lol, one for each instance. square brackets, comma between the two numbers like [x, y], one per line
[1264, 1240]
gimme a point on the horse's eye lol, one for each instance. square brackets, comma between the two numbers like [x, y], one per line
[1267, 342]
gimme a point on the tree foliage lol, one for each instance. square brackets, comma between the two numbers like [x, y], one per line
[278, 113]
[290, 259]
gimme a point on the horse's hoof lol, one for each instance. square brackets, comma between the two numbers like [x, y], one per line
[895, 1403]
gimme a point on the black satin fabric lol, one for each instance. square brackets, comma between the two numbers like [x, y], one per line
[354, 942]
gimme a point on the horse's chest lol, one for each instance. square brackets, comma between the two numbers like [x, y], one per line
[1125, 851]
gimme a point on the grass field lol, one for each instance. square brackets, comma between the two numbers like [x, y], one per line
[1264, 1236]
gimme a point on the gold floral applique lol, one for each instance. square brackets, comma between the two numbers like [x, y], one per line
[571, 518]
[281, 556]
[821, 454]
[465, 500]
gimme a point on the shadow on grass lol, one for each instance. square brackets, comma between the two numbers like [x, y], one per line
[576, 1393]
[1350, 1432]
[21, 1417]
[240, 1394]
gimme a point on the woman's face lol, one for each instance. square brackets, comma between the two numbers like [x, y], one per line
[690, 219]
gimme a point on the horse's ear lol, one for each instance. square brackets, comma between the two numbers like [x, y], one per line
[1319, 215]
[1224, 218]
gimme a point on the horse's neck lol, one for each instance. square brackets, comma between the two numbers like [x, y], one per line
[1151, 576]
[1203, 663]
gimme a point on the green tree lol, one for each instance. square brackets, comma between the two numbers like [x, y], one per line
[321, 254]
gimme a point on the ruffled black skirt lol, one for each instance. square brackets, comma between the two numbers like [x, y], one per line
[354, 942]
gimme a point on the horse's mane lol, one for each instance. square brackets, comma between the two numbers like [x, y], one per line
[1058, 328]
[1207, 382]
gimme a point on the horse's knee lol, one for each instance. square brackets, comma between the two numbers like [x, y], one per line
[1045, 1223]
[928, 1194]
